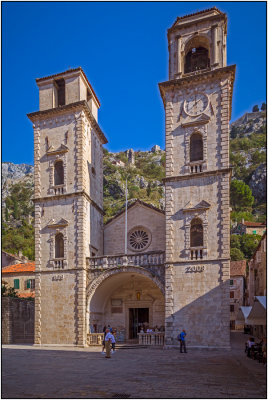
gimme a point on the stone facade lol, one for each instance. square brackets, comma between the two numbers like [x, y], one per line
[17, 320]
[198, 102]
[257, 273]
[83, 278]
[67, 133]
[237, 290]
[140, 217]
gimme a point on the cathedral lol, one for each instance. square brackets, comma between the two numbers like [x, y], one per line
[169, 268]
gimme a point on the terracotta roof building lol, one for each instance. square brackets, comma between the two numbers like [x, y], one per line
[252, 228]
[21, 277]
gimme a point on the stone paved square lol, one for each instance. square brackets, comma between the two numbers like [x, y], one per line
[31, 372]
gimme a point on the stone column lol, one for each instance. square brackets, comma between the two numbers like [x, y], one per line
[214, 29]
[179, 71]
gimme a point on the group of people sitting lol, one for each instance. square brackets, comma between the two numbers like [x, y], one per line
[257, 351]
[144, 329]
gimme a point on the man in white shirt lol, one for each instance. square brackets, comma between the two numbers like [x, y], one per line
[108, 340]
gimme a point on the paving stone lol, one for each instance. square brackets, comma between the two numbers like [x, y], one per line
[31, 372]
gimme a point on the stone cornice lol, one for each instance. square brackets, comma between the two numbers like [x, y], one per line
[199, 77]
[198, 175]
[203, 261]
[77, 106]
[66, 195]
[184, 24]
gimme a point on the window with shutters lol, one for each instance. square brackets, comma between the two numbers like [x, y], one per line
[196, 233]
[231, 295]
[231, 282]
[58, 173]
[59, 246]
[30, 284]
[231, 308]
[16, 283]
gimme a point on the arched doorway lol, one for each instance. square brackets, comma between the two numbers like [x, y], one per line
[127, 301]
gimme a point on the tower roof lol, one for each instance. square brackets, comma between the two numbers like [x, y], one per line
[209, 12]
[68, 71]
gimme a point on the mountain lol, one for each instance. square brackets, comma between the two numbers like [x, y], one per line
[248, 139]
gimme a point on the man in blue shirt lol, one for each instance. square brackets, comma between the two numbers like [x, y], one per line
[182, 341]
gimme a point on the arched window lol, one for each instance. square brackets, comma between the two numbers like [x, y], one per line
[197, 54]
[196, 234]
[58, 173]
[196, 147]
[59, 246]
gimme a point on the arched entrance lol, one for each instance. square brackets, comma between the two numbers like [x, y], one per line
[126, 299]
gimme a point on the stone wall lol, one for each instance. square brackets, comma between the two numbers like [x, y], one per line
[138, 215]
[17, 320]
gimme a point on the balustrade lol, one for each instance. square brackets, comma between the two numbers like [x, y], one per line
[59, 189]
[197, 254]
[196, 168]
[58, 263]
[141, 259]
[95, 339]
[152, 338]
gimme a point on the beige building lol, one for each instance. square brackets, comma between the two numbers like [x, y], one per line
[256, 278]
[176, 269]
[237, 290]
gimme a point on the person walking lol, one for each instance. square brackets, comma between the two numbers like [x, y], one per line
[103, 342]
[113, 342]
[108, 340]
[181, 338]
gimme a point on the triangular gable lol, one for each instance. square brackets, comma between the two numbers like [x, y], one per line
[61, 223]
[61, 149]
[132, 205]
[203, 205]
[201, 120]
[208, 11]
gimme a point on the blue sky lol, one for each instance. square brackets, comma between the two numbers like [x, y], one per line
[122, 48]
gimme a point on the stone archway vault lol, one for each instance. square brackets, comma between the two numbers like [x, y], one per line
[114, 272]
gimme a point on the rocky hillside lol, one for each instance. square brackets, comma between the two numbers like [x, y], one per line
[248, 153]
[144, 172]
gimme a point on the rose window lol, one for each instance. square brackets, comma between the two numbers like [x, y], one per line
[139, 239]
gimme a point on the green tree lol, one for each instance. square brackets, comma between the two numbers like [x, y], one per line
[239, 215]
[249, 243]
[236, 254]
[8, 291]
[15, 210]
[241, 195]
[263, 107]
[149, 189]
[6, 214]
[255, 108]
[235, 242]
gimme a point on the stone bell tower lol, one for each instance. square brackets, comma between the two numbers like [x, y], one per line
[68, 203]
[198, 100]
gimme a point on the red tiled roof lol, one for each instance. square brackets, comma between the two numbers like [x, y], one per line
[27, 267]
[254, 224]
[238, 268]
